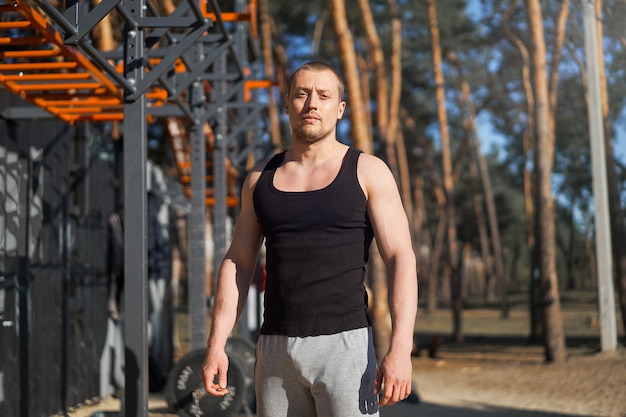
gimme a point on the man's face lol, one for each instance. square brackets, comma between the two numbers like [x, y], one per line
[314, 105]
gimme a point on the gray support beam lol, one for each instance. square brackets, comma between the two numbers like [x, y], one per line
[197, 222]
[219, 167]
[135, 226]
[604, 264]
[241, 51]
[90, 20]
[168, 61]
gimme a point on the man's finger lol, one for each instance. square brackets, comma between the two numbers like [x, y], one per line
[222, 381]
[393, 393]
[378, 381]
[214, 384]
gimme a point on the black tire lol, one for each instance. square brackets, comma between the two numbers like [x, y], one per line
[244, 351]
[184, 380]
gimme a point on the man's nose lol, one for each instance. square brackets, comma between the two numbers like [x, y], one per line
[313, 101]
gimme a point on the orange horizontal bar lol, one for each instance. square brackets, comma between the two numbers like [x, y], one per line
[60, 86]
[250, 84]
[20, 24]
[157, 95]
[30, 53]
[74, 96]
[259, 83]
[104, 117]
[210, 201]
[47, 76]
[38, 66]
[187, 164]
[54, 37]
[26, 40]
[86, 102]
[179, 65]
[229, 16]
[249, 16]
[186, 179]
[82, 110]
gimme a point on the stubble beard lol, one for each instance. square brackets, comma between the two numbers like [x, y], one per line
[310, 136]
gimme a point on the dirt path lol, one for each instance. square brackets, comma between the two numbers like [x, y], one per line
[589, 385]
[508, 382]
[495, 372]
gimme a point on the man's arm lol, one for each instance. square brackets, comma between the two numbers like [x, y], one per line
[393, 237]
[233, 282]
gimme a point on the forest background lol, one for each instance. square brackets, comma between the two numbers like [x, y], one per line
[481, 109]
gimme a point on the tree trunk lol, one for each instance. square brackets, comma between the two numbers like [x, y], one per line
[365, 89]
[103, 38]
[554, 338]
[442, 117]
[482, 230]
[486, 184]
[435, 263]
[421, 235]
[553, 84]
[377, 59]
[360, 137]
[268, 62]
[568, 248]
[424, 246]
[282, 63]
[395, 130]
[530, 181]
[317, 33]
[404, 174]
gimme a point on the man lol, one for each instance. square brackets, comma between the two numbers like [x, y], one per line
[317, 206]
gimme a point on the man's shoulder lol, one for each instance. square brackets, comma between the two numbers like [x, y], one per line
[369, 163]
[257, 170]
[373, 173]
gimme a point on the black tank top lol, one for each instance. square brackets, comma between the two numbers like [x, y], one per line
[317, 246]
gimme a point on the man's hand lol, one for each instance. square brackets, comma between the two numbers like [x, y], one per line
[213, 374]
[393, 378]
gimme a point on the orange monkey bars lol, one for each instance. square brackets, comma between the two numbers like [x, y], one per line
[37, 66]
[249, 16]
[178, 139]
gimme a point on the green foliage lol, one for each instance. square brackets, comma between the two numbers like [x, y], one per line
[492, 66]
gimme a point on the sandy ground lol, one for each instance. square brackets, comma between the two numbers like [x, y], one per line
[495, 385]
[585, 385]
[495, 372]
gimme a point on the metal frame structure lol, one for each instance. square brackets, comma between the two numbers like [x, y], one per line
[194, 63]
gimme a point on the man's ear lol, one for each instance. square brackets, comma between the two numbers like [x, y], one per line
[342, 109]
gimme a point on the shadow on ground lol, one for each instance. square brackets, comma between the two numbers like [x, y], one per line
[470, 410]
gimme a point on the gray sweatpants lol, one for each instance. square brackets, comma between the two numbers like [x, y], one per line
[318, 376]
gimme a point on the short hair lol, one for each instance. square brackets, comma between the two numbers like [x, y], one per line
[316, 66]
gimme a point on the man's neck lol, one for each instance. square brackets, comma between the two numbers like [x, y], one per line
[313, 153]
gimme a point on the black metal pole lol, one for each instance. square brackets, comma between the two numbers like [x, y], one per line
[135, 225]
[198, 218]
